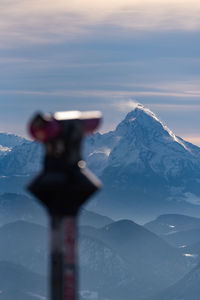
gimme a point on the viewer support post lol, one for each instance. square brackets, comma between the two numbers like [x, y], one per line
[63, 186]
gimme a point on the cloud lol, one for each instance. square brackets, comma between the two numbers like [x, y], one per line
[48, 21]
[125, 105]
[191, 198]
[190, 85]
[175, 107]
[105, 93]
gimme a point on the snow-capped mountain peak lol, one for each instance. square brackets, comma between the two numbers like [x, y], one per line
[143, 138]
[141, 113]
[142, 142]
[144, 120]
[141, 158]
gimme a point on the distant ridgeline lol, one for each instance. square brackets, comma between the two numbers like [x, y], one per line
[146, 170]
[117, 260]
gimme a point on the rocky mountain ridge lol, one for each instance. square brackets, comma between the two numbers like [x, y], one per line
[145, 168]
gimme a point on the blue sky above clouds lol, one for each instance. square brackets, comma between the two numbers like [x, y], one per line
[102, 55]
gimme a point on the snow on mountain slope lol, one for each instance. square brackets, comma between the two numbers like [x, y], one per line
[141, 138]
[10, 140]
[4, 150]
[18, 156]
[24, 159]
[143, 162]
[97, 150]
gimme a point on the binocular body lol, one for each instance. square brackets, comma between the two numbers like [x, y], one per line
[64, 184]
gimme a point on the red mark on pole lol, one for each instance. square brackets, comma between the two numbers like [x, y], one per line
[70, 256]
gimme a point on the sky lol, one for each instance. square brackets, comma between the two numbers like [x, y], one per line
[101, 55]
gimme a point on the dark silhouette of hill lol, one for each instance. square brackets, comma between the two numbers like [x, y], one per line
[89, 218]
[26, 244]
[152, 263]
[188, 288]
[14, 277]
[169, 223]
[14, 207]
[182, 238]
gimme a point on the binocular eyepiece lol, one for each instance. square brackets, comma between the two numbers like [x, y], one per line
[45, 128]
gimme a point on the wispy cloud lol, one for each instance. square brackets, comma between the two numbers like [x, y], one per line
[190, 85]
[175, 107]
[108, 94]
[42, 21]
[125, 105]
[128, 105]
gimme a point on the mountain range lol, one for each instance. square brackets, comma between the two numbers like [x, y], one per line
[144, 262]
[147, 173]
[145, 168]
[119, 260]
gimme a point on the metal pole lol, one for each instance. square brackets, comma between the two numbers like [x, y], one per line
[70, 259]
[63, 258]
[56, 258]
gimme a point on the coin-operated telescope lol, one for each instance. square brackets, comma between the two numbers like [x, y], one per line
[63, 186]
